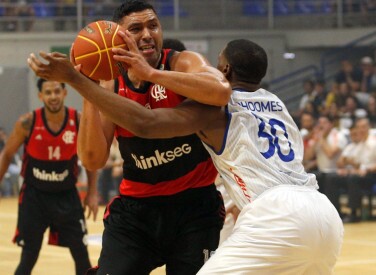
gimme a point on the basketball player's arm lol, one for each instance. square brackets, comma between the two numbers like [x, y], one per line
[188, 118]
[158, 123]
[94, 138]
[91, 199]
[191, 74]
[16, 138]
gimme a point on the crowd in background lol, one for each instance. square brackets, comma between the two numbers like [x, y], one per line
[27, 10]
[20, 15]
[338, 124]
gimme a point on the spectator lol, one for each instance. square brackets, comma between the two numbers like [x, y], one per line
[319, 96]
[342, 94]
[310, 107]
[110, 173]
[327, 144]
[331, 96]
[368, 8]
[371, 111]
[350, 112]
[349, 75]
[346, 164]
[367, 74]
[364, 175]
[65, 10]
[26, 14]
[8, 11]
[308, 96]
[307, 124]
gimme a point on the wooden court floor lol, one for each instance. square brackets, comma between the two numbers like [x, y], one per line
[358, 254]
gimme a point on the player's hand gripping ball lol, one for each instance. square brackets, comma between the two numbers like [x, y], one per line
[92, 49]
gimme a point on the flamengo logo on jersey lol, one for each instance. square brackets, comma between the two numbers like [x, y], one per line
[158, 92]
[160, 158]
[68, 137]
[53, 176]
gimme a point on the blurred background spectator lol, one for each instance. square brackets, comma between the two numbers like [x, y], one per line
[326, 145]
[110, 175]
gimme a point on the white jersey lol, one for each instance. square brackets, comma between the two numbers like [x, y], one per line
[262, 147]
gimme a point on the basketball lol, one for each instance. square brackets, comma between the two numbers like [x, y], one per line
[92, 49]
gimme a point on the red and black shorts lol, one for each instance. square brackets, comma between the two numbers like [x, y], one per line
[62, 212]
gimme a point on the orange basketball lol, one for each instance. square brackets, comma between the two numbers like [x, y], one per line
[92, 49]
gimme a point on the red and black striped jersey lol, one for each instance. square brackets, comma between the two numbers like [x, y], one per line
[50, 158]
[159, 167]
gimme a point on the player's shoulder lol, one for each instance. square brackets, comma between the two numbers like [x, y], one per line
[179, 61]
[26, 116]
[188, 55]
[25, 121]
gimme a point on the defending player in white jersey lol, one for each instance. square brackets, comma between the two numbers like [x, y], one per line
[285, 225]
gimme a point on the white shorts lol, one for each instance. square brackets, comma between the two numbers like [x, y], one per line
[287, 230]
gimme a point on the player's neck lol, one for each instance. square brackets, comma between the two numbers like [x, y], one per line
[246, 86]
[57, 117]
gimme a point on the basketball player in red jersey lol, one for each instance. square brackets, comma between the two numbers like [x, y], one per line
[169, 211]
[48, 197]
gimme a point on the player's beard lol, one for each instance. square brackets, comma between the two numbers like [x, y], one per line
[54, 108]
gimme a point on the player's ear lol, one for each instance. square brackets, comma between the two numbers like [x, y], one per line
[227, 71]
[40, 96]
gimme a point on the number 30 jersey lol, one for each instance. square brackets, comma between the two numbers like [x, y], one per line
[50, 158]
[262, 147]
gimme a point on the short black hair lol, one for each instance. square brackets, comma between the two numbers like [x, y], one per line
[248, 60]
[173, 43]
[42, 80]
[129, 6]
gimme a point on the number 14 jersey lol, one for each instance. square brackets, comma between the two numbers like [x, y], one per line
[50, 158]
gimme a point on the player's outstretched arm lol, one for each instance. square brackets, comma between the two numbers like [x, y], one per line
[16, 138]
[128, 114]
[191, 76]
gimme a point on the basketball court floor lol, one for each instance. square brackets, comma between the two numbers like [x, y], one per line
[358, 254]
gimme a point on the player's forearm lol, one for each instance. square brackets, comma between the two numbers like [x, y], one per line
[4, 164]
[92, 144]
[204, 87]
[121, 111]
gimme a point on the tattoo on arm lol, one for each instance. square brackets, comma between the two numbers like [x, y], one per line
[26, 123]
